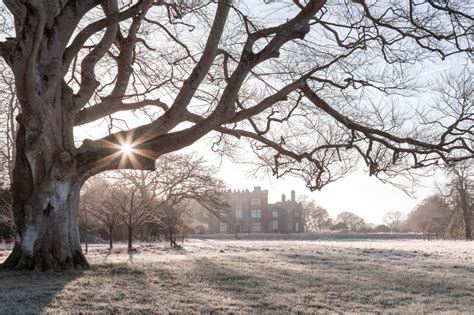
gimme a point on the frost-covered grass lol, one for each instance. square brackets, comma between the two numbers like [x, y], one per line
[262, 276]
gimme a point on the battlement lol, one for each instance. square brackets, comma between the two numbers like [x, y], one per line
[256, 190]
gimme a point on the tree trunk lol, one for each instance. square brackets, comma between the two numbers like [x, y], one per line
[48, 236]
[467, 223]
[45, 193]
[130, 238]
[170, 233]
[468, 228]
[87, 227]
[111, 238]
[466, 213]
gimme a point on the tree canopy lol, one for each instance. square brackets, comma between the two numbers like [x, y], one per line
[298, 85]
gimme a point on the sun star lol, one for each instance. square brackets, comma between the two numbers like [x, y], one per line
[126, 148]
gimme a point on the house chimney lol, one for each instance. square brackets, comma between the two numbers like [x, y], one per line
[293, 199]
[283, 198]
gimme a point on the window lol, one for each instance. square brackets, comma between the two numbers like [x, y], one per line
[256, 227]
[255, 201]
[238, 212]
[256, 214]
[275, 225]
[223, 227]
[275, 214]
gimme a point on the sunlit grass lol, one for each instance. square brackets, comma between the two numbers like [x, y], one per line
[398, 276]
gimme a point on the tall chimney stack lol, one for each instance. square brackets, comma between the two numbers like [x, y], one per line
[293, 196]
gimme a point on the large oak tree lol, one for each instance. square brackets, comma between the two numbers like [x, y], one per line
[295, 78]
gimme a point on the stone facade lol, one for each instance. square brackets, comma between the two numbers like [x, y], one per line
[251, 213]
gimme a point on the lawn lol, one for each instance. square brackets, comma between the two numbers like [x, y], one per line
[263, 276]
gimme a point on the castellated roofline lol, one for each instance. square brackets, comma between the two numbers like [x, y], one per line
[256, 189]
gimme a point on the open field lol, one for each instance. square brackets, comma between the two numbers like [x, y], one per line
[256, 276]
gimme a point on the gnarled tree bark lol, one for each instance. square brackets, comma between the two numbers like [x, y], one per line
[45, 191]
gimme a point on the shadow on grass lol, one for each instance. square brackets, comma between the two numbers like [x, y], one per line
[308, 283]
[356, 280]
[31, 292]
[245, 290]
[431, 285]
[100, 288]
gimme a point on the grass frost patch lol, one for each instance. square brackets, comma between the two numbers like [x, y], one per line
[264, 276]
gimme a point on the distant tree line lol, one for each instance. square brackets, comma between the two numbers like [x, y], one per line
[316, 218]
[432, 216]
[448, 213]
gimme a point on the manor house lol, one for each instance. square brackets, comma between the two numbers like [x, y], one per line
[251, 213]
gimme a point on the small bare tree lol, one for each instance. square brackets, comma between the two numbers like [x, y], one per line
[315, 217]
[459, 194]
[173, 219]
[181, 180]
[101, 203]
[132, 205]
[84, 220]
[351, 221]
[394, 220]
